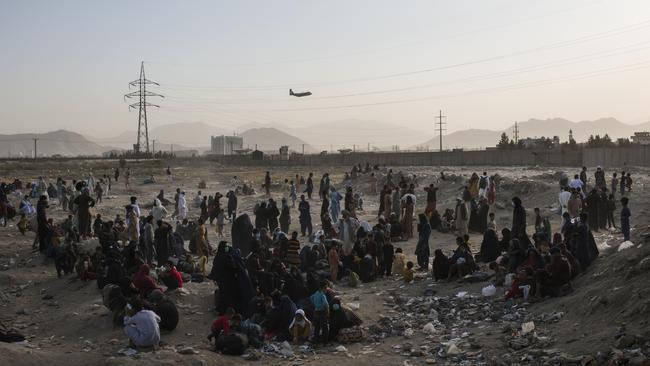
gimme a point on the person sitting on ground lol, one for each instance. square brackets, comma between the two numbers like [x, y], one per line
[399, 262]
[440, 265]
[462, 262]
[499, 273]
[143, 281]
[221, 325]
[555, 275]
[522, 284]
[409, 272]
[300, 327]
[251, 330]
[141, 326]
[171, 277]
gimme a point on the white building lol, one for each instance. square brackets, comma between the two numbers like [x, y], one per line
[226, 145]
[642, 138]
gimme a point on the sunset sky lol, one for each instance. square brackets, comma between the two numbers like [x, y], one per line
[67, 64]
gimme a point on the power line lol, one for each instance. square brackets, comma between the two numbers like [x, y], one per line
[142, 104]
[605, 34]
[628, 67]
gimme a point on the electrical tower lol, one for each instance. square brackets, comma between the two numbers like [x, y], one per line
[440, 124]
[142, 104]
[516, 132]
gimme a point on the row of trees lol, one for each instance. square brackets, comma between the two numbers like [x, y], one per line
[547, 143]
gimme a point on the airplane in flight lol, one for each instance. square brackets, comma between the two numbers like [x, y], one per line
[303, 94]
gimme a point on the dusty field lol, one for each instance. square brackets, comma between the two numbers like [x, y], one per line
[610, 300]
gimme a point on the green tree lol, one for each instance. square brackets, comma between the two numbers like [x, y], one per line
[504, 142]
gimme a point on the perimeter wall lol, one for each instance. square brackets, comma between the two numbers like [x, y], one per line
[638, 155]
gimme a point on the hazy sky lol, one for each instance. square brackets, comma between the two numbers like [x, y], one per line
[66, 64]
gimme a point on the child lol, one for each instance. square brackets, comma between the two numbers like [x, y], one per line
[220, 221]
[22, 224]
[625, 219]
[97, 225]
[409, 272]
[399, 262]
[499, 273]
[611, 207]
[492, 224]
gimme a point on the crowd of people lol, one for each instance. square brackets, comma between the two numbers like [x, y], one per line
[272, 286]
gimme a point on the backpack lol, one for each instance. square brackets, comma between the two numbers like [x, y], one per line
[482, 183]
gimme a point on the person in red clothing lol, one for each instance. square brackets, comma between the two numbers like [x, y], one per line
[143, 282]
[222, 324]
[171, 277]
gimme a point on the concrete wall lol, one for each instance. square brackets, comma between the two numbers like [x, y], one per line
[638, 155]
[446, 158]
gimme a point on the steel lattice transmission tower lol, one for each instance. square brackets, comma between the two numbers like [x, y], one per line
[142, 93]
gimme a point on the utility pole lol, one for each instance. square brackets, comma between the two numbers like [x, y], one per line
[516, 133]
[368, 147]
[153, 148]
[142, 104]
[440, 123]
[303, 149]
[354, 148]
[35, 148]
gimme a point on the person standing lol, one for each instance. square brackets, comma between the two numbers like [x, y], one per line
[232, 205]
[305, 216]
[422, 250]
[285, 217]
[321, 314]
[84, 202]
[310, 185]
[625, 218]
[461, 219]
[182, 205]
[267, 183]
[335, 204]
[293, 194]
[176, 198]
[614, 184]
[583, 178]
[431, 199]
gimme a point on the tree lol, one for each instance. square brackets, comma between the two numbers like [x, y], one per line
[624, 142]
[504, 142]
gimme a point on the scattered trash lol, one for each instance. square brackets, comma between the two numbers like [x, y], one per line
[489, 291]
[461, 294]
[625, 245]
[341, 349]
[527, 327]
[127, 352]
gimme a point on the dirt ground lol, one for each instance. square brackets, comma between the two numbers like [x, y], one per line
[66, 324]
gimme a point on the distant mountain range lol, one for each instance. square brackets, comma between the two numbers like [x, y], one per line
[315, 138]
[61, 142]
[477, 138]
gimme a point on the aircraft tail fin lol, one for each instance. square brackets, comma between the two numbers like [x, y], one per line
[290, 92]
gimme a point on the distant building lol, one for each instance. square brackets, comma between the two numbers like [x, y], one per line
[541, 142]
[257, 155]
[226, 145]
[284, 152]
[642, 138]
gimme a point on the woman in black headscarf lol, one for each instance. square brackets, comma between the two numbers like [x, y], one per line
[489, 247]
[341, 318]
[224, 273]
[246, 291]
